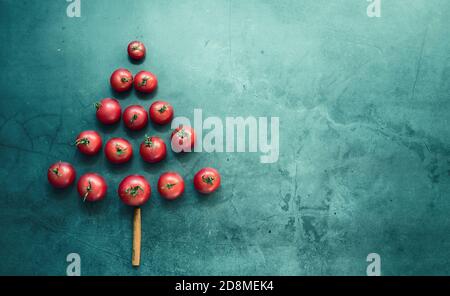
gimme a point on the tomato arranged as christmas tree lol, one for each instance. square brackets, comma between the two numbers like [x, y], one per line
[134, 190]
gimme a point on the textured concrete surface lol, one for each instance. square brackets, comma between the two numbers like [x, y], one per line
[364, 110]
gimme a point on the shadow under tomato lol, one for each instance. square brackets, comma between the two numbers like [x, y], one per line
[103, 128]
[120, 95]
[97, 207]
[127, 212]
[171, 204]
[60, 193]
[209, 199]
[161, 128]
[137, 135]
[120, 169]
[153, 167]
[87, 159]
[136, 62]
[146, 96]
[182, 157]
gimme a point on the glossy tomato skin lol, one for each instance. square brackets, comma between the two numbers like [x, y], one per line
[170, 185]
[135, 117]
[136, 50]
[89, 142]
[145, 82]
[183, 139]
[108, 111]
[61, 174]
[118, 150]
[121, 80]
[92, 187]
[134, 190]
[153, 149]
[161, 112]
[207, 180]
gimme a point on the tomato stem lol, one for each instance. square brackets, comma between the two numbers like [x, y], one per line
[56, 171]
[170, 185]
[144, 81]
[208, 180]
[163, 109]
[134, 118]
[124, 79]
[148, 141]
[120, 150]
[88, 189]
[182, 133]
[82, 141]
[134, 190]
[97, 105]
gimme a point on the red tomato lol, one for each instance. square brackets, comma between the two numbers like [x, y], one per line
[121, 80]
[89, 142]
[134, 190]
[108, 111]
[145, 82]
[183, 139]
[118, 150]
[207, 180]
[61, 174]
[170, 185]
[92, 187]
[135, 117]
[136, 50]
[153, 149]
[161, 112]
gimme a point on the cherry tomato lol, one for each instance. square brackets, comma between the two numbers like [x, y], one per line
[183, 139]
[89, 142]
[207, 180]
[153, 149]
[61, 174]
[170, 185]
[92, 187]
[121, 80]
[145, 82]
[134, 190]
[161, 112]
[108, 111]
[135, 117]
[118, 150]
[136, 50]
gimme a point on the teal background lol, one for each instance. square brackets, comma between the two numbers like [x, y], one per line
[364, 136]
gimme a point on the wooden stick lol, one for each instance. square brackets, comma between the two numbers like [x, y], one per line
[136, 257]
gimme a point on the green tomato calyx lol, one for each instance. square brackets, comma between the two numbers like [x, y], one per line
[148, 141]
[134, 190]
[144, 81]
[83, 141]
[170, 185]
[88, 190]
[163, 109]
[134, 118]
[120, 150]
[208, 180]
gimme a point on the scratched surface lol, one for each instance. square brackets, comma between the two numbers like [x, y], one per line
[364, 110]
